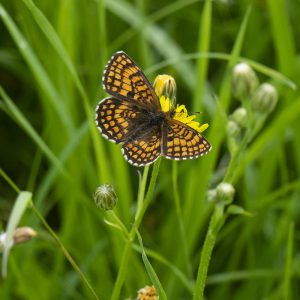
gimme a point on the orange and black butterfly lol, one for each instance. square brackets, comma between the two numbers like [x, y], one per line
[133, 117]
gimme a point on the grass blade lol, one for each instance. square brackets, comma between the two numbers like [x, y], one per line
[154, 278]
[27, 127]
[23, 199]
[44, 82]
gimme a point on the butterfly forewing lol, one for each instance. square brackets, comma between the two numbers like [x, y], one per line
[115, 119]
[123, 79]
[183, 142]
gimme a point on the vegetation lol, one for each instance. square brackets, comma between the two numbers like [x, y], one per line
[223, 226]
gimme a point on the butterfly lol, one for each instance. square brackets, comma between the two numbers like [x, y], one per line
[132, 116]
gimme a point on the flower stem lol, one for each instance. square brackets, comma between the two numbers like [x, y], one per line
[138, 219]
[215, 225]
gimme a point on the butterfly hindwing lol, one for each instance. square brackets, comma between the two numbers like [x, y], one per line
[183, 142]
[144, 151]
[123, 79]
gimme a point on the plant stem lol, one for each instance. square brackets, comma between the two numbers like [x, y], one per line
[138, 219]
[215, 225]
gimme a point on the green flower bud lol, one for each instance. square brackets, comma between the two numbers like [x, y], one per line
[239, 116]
[244, 81]
[233, 129]
[265, 99]
[165, 85]
[225, 192]
[211, 195]
[105, 197]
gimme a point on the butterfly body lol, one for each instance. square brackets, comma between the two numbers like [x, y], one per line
[134, 118]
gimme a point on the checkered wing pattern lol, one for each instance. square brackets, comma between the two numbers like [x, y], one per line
[123, 79]
[115, 119]
[183, 142]
[144, 151]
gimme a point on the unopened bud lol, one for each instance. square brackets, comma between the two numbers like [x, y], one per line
[244, 81]
[211, 195]
[165, 85]
[225, 192]
[20, 236]
[23, 234]
[239, 116]
[105, 197]
[233, 129]
[147, 293]
[265, 99]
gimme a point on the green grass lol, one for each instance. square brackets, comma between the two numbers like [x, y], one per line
[164, 230]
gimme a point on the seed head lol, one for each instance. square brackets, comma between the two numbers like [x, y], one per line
[105, 197]
[147, 293]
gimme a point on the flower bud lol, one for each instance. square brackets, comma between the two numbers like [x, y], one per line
[21, 235]
[239, 116]
[211, 195]
[105, 197]
[244, 81]
[225, 192]
[233, 129]
[147, 293]
[165, 85]
[265, 99]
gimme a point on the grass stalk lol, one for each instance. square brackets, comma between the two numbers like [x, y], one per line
[138, 218]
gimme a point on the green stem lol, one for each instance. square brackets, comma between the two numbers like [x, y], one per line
[142, 189]
[215, 225]
[138, 219]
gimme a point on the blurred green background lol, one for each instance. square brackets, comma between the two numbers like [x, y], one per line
[52, 55]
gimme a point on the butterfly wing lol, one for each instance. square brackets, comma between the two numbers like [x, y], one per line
[116, 118]
[182, 142]
[143, 151]
[124, 80]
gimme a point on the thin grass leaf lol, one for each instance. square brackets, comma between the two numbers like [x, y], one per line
[269, 72]
[270, 134]
[22, 201]
[178, 273]
[155, 35]
[156, 16]
[24, 123]
[287, 278]
[282, 35]
[41, 76]
[58, 46]
[242, 276]
[203, 47]
[154, 278]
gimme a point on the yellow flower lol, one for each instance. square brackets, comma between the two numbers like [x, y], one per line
[181, 114]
